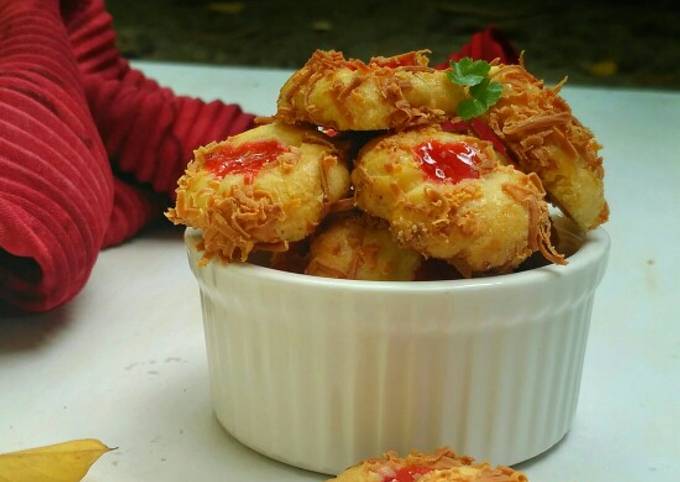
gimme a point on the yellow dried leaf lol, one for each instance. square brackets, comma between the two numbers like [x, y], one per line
[64, 462]
[230, 8]
[322, 25]
[604, 68]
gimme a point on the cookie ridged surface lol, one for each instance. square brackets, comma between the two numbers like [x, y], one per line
[385, 93]
[544, 137]
[480, 216]
[238, 208]
[357, 246]
[442, 466]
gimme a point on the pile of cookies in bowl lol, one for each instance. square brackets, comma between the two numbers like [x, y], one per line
[381, 267]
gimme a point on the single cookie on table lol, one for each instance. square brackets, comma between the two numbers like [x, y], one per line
[442, 466]
[387, 92]
[447, 196]
[356, 246]
[261, 189]
[538, 127]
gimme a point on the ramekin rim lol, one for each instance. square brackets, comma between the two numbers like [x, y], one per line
[593, 250]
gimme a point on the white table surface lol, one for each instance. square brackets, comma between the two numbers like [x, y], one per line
[125, 361]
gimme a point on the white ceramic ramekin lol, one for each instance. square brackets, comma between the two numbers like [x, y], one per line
[320, 373]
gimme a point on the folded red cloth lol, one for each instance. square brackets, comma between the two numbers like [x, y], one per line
[93, 42]
[56, 188]
[147, 130]
[133, 208]
[93, 39]
[59, 201]
[489, 44]
[151, 133]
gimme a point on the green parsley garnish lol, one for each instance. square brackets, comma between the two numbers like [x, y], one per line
[483, 92]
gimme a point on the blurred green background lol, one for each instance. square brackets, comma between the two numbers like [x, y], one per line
[624, 44]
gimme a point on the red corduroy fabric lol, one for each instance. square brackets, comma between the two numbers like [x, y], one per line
[151, 134]
[133, 208]
[93, 42]
[69, 103]
[148, 131]
[56, 187]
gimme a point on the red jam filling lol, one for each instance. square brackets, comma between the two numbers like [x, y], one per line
[247, 158]
[407, 474]
[448, 162]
